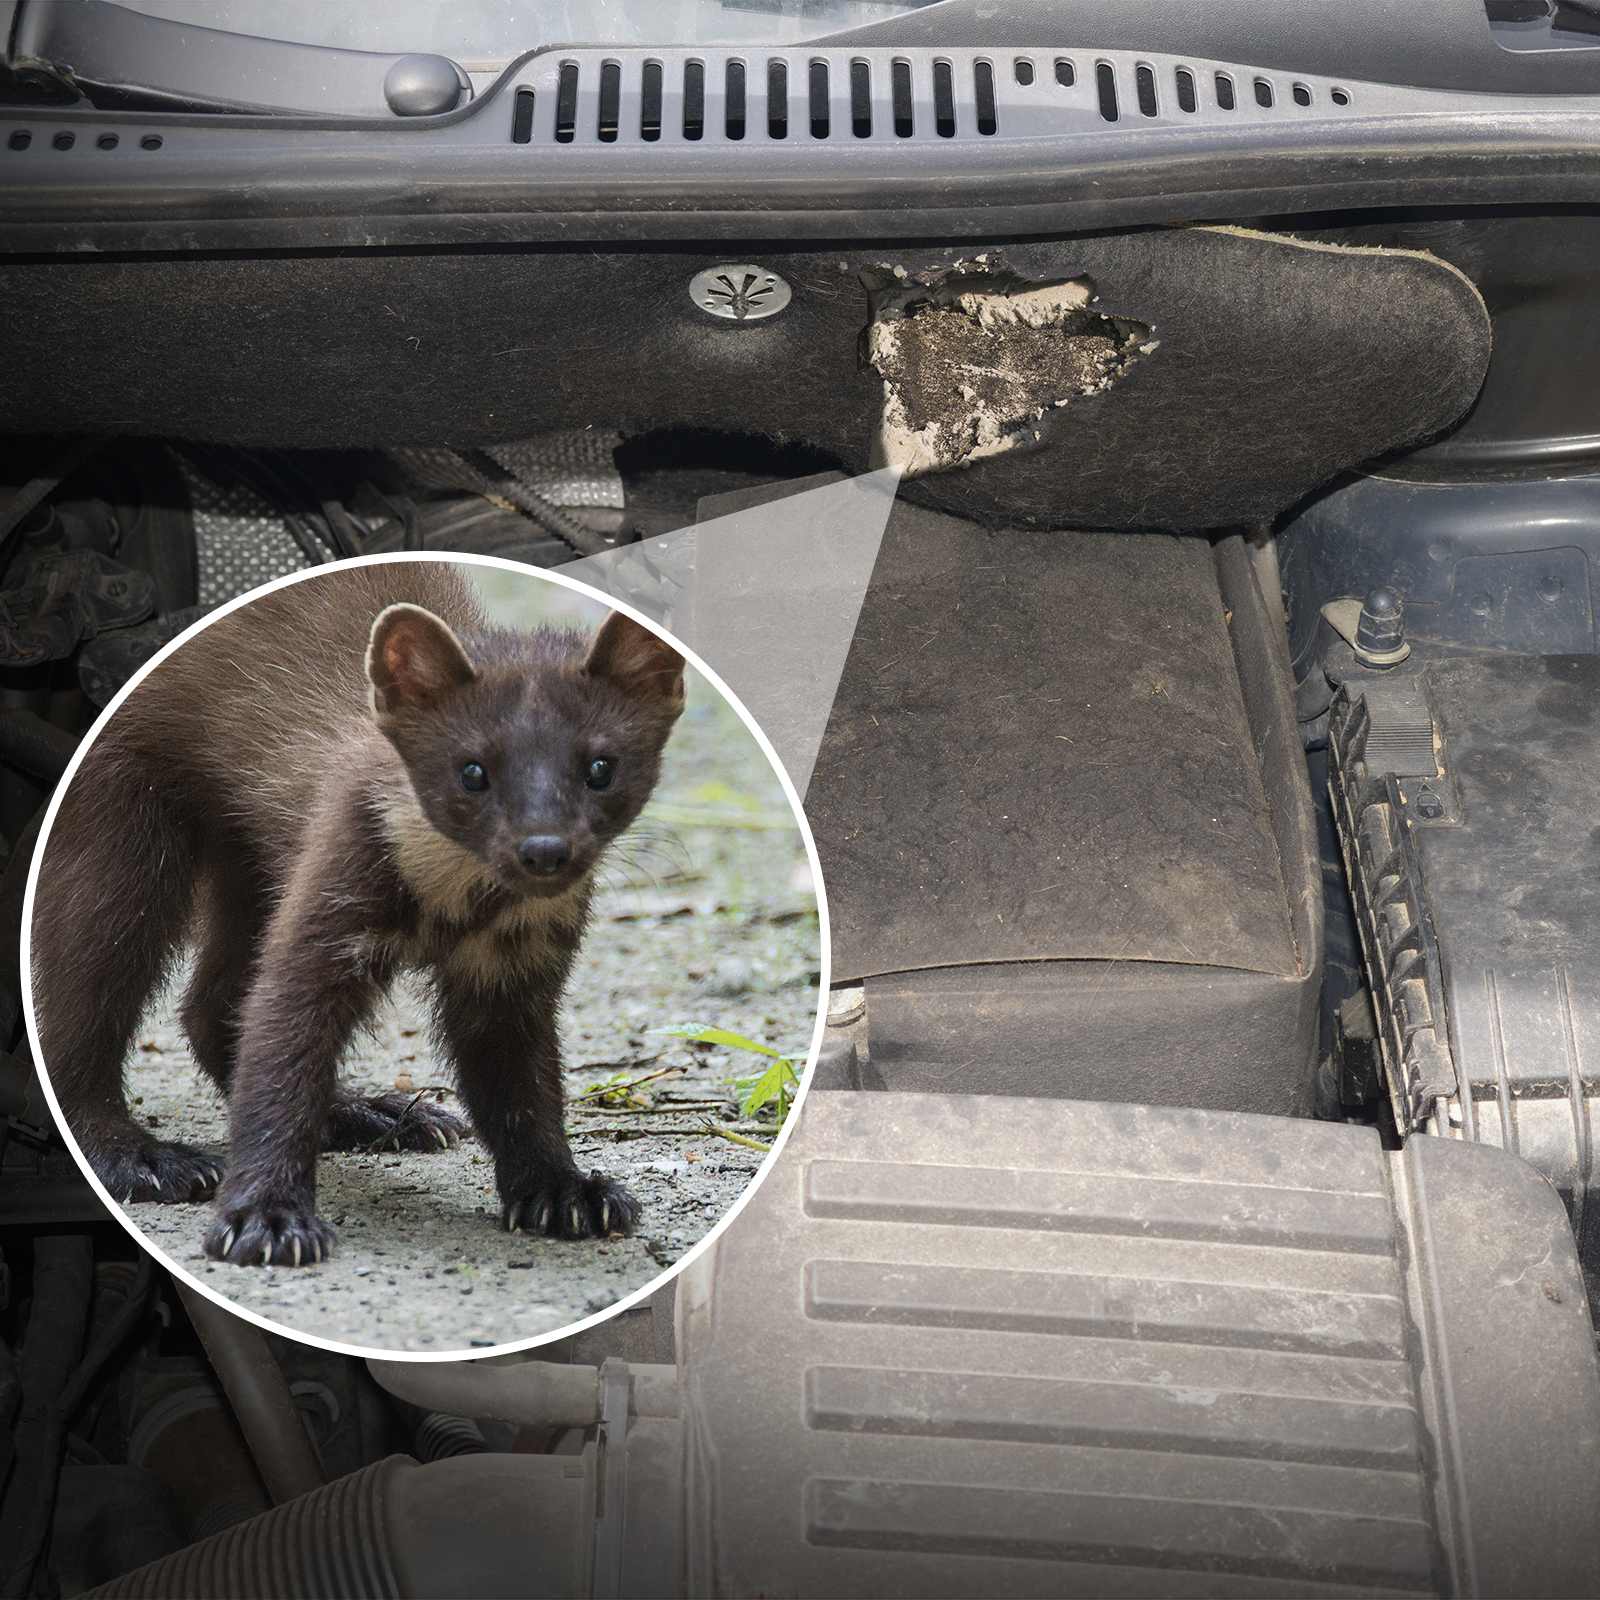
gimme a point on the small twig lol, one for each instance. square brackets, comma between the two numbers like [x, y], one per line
[394, 1132]
[657, 1123]
[732, 1137]
[623, 1135]
[592, 1110]
[617, 1088]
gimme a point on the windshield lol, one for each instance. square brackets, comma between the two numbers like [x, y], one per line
[485, 34]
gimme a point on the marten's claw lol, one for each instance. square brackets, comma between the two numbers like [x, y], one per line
[168, 1173]
[527, 1217]
[394, 1121]
[269, 1235]
[572, 1206]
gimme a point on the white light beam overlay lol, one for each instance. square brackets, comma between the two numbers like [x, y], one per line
[768, 598]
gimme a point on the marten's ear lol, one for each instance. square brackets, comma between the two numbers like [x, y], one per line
[638, 661]
[413, 660]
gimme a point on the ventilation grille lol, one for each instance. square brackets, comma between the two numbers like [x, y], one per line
[801, 98]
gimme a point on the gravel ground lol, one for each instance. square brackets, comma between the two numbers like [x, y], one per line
[708, 919]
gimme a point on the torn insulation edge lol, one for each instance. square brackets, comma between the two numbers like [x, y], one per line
[971, 364]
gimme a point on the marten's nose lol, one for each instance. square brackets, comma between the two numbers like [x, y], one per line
[544, 854]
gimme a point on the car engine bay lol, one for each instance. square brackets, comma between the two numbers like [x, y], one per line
[1192, 1192]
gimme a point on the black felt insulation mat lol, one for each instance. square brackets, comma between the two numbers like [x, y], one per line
[1040, 751]
[1276, 363]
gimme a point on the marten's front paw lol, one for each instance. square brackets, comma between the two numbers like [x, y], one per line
[395, 1121]
[572, 1206]
[269, 1236]
[170, 1173]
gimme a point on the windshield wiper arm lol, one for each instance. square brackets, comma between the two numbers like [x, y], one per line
[122, 59]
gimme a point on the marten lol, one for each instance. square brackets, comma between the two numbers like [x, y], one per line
[349, 777]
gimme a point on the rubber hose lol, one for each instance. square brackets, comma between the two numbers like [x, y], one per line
[346, 535]
[440, 1436]
[13, 890]
[10, 1386]
[495, 1524]
[330, 1545]
[260, 1396]
[405, 508]
[128, 1318]
[123, 1323]
[45, 1465]
[40, 748]
[48, 1201]
[63, 1279]
[20, 1094]
[53, 1346]
[38, 1473]
[532, 1393]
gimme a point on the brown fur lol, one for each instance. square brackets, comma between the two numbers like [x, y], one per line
[288, 791]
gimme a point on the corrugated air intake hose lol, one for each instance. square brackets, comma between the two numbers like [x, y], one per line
[475, 1525]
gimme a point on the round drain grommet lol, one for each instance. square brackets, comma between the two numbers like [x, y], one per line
[741, 293]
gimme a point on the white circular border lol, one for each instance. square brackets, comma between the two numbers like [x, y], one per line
[566, 1330]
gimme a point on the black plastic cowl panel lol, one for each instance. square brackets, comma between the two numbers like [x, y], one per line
[546, 155]
[1436, 44]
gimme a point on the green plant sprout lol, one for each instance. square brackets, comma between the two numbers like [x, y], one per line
[617, 1090]
[778, 1083]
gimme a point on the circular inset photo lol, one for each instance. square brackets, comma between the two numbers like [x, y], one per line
[425, 955]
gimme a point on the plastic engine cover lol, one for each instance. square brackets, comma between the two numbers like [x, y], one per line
[962, 1345]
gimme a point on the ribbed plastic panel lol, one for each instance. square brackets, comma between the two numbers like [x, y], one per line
[1479, 907]
[761, 98]
[328, 1545]
[1044, 1347]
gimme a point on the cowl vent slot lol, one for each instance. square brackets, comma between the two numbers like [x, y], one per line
[726, 98]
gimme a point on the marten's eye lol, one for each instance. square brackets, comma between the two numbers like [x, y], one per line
[473, 778]
[601, 773]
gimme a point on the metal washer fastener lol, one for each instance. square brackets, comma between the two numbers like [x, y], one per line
[846, 1004]
[742, 293]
